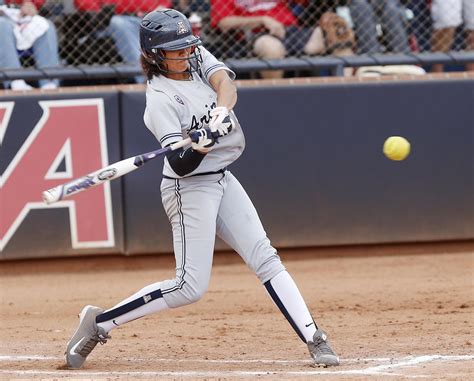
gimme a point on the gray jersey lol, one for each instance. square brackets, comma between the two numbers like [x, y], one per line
[173, 108]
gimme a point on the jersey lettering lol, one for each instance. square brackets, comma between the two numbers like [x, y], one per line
[76, 126]
[204, 120]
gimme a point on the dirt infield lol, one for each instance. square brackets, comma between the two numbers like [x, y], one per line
[392, 312]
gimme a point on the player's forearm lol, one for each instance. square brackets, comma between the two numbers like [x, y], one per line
[239, 22]
[226, 94]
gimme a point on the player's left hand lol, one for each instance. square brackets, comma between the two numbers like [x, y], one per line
[202, 140]
[220, 121]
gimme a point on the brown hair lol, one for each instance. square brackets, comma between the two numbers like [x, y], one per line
[149, 69]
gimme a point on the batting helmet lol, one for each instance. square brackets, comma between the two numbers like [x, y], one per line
[167, 29]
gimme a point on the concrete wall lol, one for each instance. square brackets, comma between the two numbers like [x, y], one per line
[313, 167]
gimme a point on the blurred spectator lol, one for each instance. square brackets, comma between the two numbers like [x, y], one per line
[22, 33]
[269, 29]
[419, 30]
[309, 12]
[447, 16]
[198, 13]
[367, 14]
[123, 25]
[188, 7]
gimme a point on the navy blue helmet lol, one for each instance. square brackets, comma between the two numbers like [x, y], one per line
[167, 29]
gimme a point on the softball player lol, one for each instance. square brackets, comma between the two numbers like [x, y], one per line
[190, 92]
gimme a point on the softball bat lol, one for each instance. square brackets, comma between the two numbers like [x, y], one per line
[111, 172]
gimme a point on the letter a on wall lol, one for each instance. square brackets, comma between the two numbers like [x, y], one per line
[67, 142]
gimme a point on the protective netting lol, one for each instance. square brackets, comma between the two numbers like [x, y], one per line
[106, 31]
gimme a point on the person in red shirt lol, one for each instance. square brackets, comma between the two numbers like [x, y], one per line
[125, 24]
[26, 5]
[269, 24]
[122, 7]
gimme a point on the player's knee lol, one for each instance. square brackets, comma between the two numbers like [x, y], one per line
[264, 260]
[187, 294]
[269, 47]
[269, 268]
[195, 294]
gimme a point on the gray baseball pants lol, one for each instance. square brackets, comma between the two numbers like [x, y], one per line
[199, 207]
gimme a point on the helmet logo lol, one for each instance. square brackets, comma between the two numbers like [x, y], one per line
[181, 28]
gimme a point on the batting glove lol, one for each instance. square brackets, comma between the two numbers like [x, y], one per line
[202, 140]
[220, 121]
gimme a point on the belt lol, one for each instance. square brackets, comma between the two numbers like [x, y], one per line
[221, 171]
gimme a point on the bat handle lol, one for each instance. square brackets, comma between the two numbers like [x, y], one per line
[142, 159]
[180, 144]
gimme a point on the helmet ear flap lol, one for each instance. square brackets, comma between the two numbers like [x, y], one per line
[154, 57]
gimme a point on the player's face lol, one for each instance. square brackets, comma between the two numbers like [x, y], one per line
[176, 61]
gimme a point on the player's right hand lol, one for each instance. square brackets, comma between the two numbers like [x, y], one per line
[220, 123]
[202, 140]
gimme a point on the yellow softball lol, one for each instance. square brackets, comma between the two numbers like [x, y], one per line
[396, 148]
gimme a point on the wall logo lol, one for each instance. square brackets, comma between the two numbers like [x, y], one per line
[68, 140]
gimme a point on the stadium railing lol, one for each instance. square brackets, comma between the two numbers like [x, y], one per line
[334, 65]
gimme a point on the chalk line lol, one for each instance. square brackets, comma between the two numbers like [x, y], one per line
[381, 369]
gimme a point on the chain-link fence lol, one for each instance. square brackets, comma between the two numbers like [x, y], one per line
[106, 31]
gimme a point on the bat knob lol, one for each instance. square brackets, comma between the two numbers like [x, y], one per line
[51, 195]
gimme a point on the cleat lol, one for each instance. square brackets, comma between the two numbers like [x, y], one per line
[86, 337]
[320, 350]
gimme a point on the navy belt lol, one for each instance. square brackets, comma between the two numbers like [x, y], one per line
[221, 171]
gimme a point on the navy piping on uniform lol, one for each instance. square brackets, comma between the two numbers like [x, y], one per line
[183, 242]
[170, 135]
[282, 308]
[128, 307]
[136, 303]
[212, 68]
